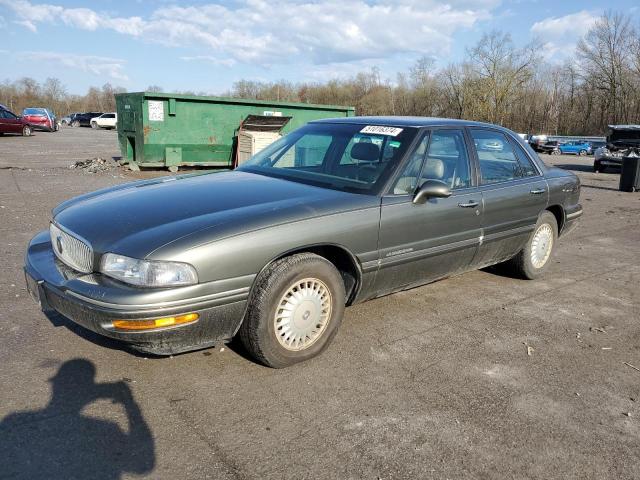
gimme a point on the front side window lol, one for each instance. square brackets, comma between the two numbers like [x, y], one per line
[498, 160]
[440, 156]
[349, 157]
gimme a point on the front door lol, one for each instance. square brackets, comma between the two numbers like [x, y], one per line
[9, 123]
[514, 192]
[419, 243]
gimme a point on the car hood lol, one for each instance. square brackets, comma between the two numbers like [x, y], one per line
[137, 218]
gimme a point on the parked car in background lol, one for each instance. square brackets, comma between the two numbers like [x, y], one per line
[622, 141]
[334, 213]
[12, 123]
[550, 147]
[106, 120]
[536, 141]
[596, 145]
[66, 121]
[84, 119]
[41, 119]
[576, 147]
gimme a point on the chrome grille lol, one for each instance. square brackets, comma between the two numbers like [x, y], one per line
[71, 250]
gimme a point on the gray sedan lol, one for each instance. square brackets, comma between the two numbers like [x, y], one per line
[335, 213]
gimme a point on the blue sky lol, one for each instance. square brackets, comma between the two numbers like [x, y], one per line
[206, 46]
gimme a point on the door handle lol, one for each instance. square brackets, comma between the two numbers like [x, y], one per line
[470, 204]
[537, 191]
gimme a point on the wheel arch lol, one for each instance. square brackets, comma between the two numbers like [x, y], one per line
[557, 212]
[341, 257]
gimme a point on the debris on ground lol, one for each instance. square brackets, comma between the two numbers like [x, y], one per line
[94, 165]
[598, 329]
[632, 366]
[530, 349]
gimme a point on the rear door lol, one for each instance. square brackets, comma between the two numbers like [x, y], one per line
[514, 192]
[422, 243]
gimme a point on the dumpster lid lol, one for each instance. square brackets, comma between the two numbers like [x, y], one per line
[264, 123]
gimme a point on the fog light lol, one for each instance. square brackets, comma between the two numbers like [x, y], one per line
[155, 323]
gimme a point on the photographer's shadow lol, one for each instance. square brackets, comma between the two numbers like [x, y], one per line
[59, 441]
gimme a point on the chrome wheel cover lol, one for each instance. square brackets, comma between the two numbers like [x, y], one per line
[541, 245]
[302, 315]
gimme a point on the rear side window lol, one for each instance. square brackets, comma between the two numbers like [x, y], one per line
[499, 160]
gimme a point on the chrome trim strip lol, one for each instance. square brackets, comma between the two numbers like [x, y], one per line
[239, 292]
[571, 216]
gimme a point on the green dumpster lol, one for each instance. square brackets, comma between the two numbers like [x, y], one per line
[171, 130]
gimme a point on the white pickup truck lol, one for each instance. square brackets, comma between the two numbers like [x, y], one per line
[106, 120]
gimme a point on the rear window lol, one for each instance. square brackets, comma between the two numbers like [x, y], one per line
[34, 111]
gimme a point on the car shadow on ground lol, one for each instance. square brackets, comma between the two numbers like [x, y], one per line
[59, 441]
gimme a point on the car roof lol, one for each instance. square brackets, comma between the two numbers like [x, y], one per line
[405, 121]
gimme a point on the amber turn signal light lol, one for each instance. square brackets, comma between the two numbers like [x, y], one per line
[155, 322]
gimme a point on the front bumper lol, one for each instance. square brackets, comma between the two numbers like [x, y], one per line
[93, 301]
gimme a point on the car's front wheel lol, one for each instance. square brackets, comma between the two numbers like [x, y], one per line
[532, 261]
[582, 153]
[295, 309]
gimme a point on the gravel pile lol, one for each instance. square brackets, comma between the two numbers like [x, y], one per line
[94, 165]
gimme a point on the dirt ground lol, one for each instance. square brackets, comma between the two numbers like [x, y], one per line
[435, 382]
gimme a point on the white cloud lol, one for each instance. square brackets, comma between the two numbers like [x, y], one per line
[560, 34]
[574, 24]
[225, 62]
[99, 66]
[28, 24]
[284, 31]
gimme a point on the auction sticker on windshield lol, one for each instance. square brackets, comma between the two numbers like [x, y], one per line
[380, 130]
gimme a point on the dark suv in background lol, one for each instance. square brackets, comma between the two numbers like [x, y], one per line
[83, 119]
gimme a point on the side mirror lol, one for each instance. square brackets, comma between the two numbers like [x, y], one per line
[431, 189]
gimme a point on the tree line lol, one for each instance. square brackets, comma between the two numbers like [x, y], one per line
[497, 82]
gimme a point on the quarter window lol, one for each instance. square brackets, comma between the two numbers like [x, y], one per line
[499, 162]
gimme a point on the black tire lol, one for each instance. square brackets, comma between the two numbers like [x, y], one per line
[258, 330]
[94, 125]
[26, 131]
[597, 167]
[75, 123]
[521, 265]
[582, 153]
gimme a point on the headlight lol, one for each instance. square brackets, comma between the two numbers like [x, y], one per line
[145, 273]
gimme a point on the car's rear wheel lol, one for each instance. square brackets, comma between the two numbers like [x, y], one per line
[533, 260]
[582, 153]
[294, 312]
[556, 152]
[75, 124]
[597, 167]
[26, 131]
[94, 125]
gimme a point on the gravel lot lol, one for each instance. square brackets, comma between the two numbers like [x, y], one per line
[434, 382]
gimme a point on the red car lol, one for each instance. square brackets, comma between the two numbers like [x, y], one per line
[40, 119]
[11, 123]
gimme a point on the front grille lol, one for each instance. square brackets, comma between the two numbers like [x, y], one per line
[71, 250]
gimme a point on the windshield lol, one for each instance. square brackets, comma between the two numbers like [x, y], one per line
[353, 158]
